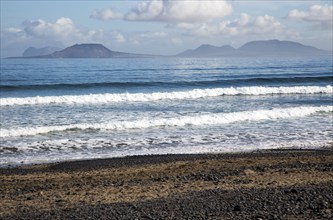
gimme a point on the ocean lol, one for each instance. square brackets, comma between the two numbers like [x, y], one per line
[70, 109]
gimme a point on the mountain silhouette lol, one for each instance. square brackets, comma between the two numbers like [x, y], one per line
[252, 49]
[90, 51]
[256, 48]
[33, 51]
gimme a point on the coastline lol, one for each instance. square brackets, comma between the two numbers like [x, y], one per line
[270, 184]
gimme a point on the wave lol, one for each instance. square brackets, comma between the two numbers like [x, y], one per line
[157, 96]
[263, 79]
[203, 119]
[77, 85]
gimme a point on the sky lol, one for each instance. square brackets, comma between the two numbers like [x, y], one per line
[161, 27]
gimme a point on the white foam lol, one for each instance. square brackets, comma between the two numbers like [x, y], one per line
[67, 155]
[148, 97]
[200, 119]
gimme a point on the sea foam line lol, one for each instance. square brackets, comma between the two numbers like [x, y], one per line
[156, 96]
[202, 119]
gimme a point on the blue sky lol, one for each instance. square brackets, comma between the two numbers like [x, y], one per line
[161, 26]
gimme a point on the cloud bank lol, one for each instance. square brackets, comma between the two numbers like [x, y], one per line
[174, 25]
[319, 15]
[171, 11]
[60, 33]
[242, 26]
[62, 30]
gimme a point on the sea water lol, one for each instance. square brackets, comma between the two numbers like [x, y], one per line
[68, 109]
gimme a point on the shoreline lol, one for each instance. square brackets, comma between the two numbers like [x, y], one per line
[268, 184]
[89, 162]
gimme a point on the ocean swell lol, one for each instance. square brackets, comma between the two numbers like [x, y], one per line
[157, 96]
[198, 120]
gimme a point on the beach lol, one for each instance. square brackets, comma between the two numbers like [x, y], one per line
[166, 109]
[270, 184]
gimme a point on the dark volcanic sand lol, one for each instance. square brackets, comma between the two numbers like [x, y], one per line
[262, 185]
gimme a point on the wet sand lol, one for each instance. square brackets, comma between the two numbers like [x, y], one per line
[276, 184]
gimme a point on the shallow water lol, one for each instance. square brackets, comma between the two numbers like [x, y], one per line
[53, 110]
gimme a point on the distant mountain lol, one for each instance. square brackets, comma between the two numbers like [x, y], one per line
[90, 51]
[207, 50]
[257, 48]
[33, 51]
[253, 48]
[276, 47]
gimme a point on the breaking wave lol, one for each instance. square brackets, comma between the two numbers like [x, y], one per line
[202, 119]
[157, 96]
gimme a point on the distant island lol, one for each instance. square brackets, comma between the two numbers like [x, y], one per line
[88, 51]
[33, 51]
[256, 48]
[251, 49]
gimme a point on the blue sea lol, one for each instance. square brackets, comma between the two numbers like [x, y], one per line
[69, 109]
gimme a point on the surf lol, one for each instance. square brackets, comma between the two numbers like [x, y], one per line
[110, 98]
[181, 121]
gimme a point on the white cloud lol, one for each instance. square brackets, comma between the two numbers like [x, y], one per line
[179, 11]
[244, 20]
[261, 25]
[265, 24]
[61, 33]
[63, 29]
[320, 15]
[106, 14]
[146, 11]
[205, 30]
